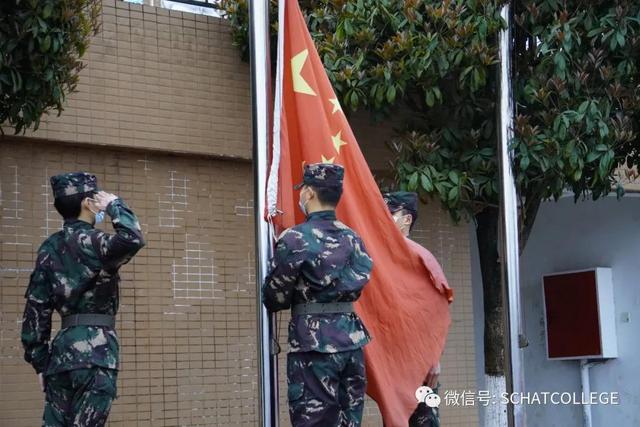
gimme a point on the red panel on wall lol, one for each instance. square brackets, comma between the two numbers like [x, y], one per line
[571, 304]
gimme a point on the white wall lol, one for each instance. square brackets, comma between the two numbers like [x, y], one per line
[569, 236]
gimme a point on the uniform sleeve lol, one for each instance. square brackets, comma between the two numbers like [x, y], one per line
[117, 249]
[36, 321]
[289, 255]
[361, 262]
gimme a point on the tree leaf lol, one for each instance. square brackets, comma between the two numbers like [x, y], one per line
[391, 94]
[453, 194]
[429, 99]
[45, 44]
[413, 182]
[426, 184]
[46, 11]
[593, 156]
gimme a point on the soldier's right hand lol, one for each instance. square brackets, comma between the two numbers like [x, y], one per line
[103, 199]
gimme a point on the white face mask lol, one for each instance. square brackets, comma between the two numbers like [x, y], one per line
[399, 219]
[396, 219]
[98, 215]
[302, 205]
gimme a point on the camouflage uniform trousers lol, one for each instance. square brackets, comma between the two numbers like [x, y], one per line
[326, 389]
[79, 397]
[424, 416]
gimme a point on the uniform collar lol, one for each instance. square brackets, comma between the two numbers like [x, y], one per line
[322, 215]
[77, 224]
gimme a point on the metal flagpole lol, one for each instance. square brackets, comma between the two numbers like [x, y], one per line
[509, 253]
[261, 98]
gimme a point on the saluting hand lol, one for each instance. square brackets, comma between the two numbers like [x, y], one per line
[103, 199]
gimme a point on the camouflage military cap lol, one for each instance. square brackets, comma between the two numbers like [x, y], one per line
[402, 200]
[68, 184]
[326, 175]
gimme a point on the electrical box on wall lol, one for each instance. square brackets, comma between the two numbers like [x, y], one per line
[579, 314]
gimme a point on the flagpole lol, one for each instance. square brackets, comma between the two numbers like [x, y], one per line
[514, 333]
[261, 97]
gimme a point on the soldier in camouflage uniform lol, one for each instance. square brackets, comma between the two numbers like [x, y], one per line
[319, 268]
[403, 206]
[76, 274]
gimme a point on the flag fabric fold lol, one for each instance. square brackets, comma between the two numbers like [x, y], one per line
[405, 305]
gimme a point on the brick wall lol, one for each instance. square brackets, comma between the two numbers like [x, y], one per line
[186, 321]
[159, 80]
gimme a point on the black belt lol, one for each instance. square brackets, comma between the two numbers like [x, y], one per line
[89, 319]
[322, 307]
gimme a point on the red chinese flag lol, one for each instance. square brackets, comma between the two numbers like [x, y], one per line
[405, 305]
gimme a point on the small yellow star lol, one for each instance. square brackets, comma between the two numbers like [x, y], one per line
[336, 105]
[325, 160]
[337, 141]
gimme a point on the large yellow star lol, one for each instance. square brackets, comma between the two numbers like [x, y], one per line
[299, 84]
[325, 160]
[336, 105]
[337, 141]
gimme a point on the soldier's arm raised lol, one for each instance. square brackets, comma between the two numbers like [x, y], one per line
[117, 249]
[277, 290]
[36, 321]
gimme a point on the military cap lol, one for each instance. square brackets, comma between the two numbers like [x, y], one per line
[68, 184]
[402, 200]
[325, 175]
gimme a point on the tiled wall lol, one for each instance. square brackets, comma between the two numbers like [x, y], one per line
[186, 321]
[160, 80]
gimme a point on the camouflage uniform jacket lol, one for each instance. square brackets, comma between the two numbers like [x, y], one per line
[77, 272]
[322, 261]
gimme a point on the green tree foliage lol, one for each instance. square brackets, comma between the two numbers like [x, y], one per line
[576, 76]
[433, 59]
[41, 42]
[578, 95]
[577, 89]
